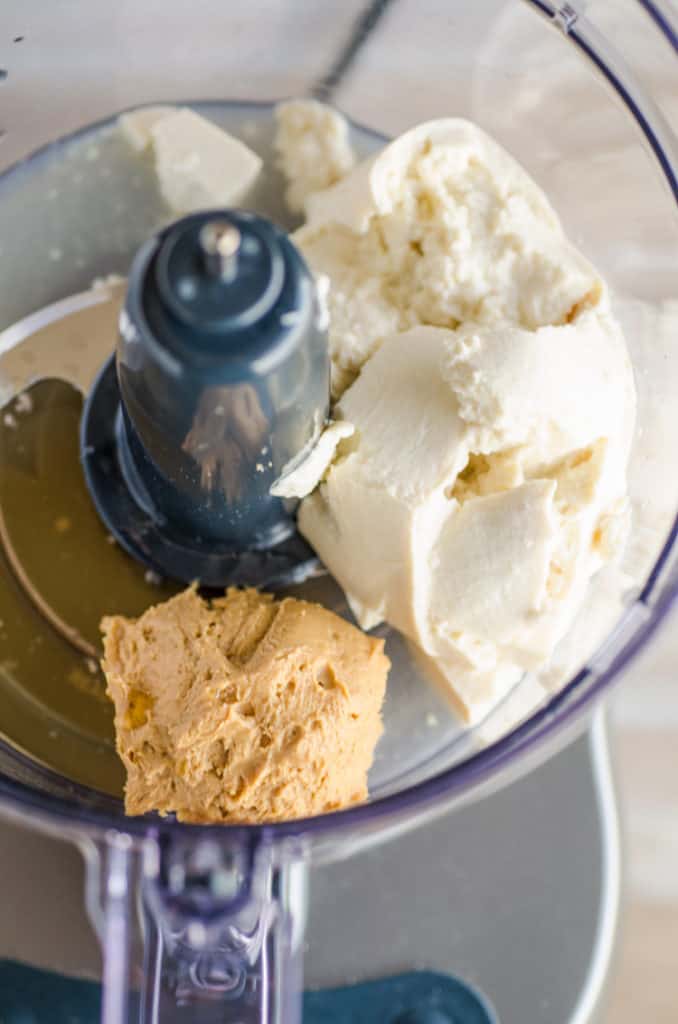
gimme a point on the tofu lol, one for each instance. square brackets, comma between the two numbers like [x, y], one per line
[199, 166]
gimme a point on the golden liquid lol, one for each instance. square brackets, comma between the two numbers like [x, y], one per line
[82, 209]
[54, 704]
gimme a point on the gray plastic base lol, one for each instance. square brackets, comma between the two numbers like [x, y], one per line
[517, 895]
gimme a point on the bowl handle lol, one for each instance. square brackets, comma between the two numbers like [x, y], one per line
[192, 926]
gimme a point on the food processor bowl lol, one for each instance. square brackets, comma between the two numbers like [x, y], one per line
[199, 921]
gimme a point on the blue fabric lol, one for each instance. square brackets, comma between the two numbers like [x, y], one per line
[32, 996]
[419, 997]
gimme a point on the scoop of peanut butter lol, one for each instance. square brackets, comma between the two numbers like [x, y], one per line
[243, 709]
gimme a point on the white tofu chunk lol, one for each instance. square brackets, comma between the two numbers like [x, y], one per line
[199, 165]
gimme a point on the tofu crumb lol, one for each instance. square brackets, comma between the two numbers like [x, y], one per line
[107, 281]
[23, 404]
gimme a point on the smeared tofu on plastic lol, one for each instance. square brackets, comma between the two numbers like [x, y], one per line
[136, 125]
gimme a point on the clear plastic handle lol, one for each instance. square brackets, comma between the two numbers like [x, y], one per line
[189, 927]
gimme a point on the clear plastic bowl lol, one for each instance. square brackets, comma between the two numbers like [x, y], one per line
[190, 915]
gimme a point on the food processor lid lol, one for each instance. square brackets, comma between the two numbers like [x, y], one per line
[493, 762]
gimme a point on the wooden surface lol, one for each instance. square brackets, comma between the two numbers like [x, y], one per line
[644, 985]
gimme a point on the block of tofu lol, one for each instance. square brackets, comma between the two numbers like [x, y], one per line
[199, 165]
[244, 709]
[481, 489]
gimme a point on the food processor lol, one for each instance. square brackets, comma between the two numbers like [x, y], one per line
[209, 923]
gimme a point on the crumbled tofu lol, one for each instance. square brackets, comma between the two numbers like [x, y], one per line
[441, 227]
[314, 148]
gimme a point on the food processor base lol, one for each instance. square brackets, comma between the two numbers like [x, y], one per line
[516, 895]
